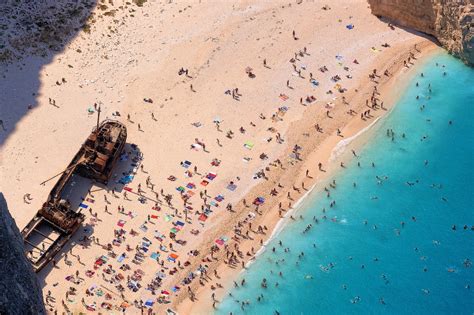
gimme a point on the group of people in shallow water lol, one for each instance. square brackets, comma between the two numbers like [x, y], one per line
[380, 180]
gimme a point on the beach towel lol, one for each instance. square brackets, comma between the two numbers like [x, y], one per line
[179, 223]
[106, 305]
[211, 176]
[84, 206]
[127, 189]
[143, 228]
[204, 183]
[167, 218]
[350, 26]
[222, 240]
[190, 186]
[149, 303]
[314, 82]
[159, 236]
[121, 223]
[121, 258]
[103, 258]
[214, 204]
[259, 201]
[90, 273]
[293, 156]
[156, 208]
[91, 307]
[180, 189]
[284, 97]
[90, 200]
[126, 179]
[175, 288]
[231, 187]
[124, 305]
[339, 57]
[190, 193]
[248, 145]
[154, 255]
[174, 230]
[219, 198]
[202, 217]
[154, 216]
[186, 164]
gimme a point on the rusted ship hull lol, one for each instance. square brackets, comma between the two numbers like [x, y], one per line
[57, 220]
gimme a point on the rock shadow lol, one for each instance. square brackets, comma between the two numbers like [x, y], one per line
[31, 34]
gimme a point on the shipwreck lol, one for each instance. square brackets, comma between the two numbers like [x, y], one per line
[60, 216]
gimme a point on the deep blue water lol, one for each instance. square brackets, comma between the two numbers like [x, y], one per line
[419, 268]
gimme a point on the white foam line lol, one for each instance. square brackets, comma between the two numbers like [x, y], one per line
[278, 228]
[342, 145]
[336, 152]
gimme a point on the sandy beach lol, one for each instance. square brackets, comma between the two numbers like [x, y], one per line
[222, 100]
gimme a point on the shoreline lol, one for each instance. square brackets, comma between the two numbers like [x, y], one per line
[361, 134]
[280, 226]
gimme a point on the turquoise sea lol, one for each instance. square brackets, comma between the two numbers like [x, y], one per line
[359, 258]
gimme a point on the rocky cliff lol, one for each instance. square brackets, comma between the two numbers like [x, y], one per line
[20, 292]
[450, 21]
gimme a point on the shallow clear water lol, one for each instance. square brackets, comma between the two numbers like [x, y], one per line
[416, 269]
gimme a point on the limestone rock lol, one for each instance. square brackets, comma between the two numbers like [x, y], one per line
[450, 21]
[19, 287]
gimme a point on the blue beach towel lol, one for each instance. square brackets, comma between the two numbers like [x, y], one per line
[126, 179]
[121, 258]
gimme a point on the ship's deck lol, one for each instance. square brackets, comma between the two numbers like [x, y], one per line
[40, 240]
[76, 187]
